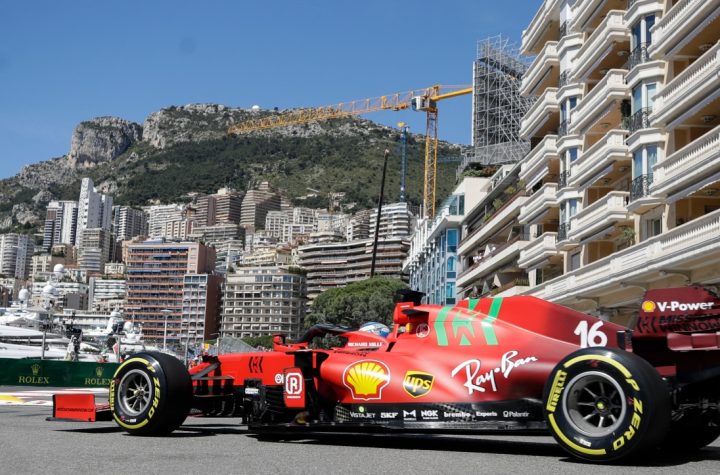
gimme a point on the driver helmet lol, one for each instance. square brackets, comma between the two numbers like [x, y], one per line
[376, 328]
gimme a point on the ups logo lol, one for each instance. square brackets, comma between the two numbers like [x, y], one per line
[418, 383]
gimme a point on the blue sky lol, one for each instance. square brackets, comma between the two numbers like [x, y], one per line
[65, 62]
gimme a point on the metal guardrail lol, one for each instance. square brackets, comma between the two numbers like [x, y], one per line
[640, 120]
[640, 186]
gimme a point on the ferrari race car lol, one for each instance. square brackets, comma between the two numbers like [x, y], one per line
[602, 390]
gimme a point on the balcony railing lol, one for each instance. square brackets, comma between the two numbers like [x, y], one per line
[638, 56]
[640, 186]
[563, 231]
[563, 179]
[690, 86]
[694, 162]
[610, 148]
[563, 29]
[563, 128]
[564, 78]
[640, 120]
[671, 249]
[611, 88]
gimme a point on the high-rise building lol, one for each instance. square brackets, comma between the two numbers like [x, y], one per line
[275, 222]
[94, 250]
[217, 233]
[257, 203]
[358, 226]
[262, 301]
[94, 210]
[624, 176]
[201, 300]
[60, 223]
[160, 215]
[156, 275]
[396, 220]
[223, 207]
[129, 223]
[16, 251]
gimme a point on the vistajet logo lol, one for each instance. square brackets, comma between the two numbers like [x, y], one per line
[675, 306]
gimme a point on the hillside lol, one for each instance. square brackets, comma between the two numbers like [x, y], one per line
[180, 151]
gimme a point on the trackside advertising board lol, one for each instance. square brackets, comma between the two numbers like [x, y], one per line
[75, 374]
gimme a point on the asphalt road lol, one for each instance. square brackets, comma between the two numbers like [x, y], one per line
[30, 444]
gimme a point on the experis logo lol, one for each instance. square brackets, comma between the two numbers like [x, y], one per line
[675, 306]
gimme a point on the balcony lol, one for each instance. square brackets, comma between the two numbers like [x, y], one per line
[640, 187]
[600, 51]
[538, 250]
[587, 14]
[601, 102]
[700, 82]
[638, 56]
[684, 247]
[539, 202]
[689, 168]
[543, 27]
[537, 120]
[543, 72]
[536, 164]
[506, 213]
[686, 25]
[640, 120]
[499, 257]
[600, 158]
[563, 179]
[599, 216]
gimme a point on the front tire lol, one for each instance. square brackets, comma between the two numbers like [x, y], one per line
[605, 404]
[150, 394]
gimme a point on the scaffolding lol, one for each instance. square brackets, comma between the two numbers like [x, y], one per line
[498, 107]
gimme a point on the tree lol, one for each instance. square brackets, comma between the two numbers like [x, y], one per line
[371, 300]
[265, 341]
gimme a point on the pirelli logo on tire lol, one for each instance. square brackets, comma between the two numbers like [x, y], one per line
[556, 390]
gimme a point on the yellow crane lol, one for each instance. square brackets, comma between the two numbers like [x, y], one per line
[424, 100]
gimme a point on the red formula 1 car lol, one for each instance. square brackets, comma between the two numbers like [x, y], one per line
[498, 364]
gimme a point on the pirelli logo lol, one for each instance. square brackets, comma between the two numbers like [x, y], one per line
[555, 390]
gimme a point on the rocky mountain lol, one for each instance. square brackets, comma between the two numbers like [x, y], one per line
[180, 151]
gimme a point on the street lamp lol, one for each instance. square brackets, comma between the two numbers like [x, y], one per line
[165, 312]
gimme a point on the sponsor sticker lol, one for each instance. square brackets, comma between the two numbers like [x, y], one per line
[422, 330]
[478, 381]
[366, 379]
[418, 383]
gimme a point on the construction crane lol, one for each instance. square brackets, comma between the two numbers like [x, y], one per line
[423, 100]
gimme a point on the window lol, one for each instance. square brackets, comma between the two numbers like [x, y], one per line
[642, 96]
[653, 227]
[452, 240]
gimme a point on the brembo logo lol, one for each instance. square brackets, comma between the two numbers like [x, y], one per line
[674, 306]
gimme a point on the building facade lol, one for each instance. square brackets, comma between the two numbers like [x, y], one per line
[623, 181]
[16, 252]
[256, 204]
[155, 278]
[263, 300]
[129, 223]
[94, 210]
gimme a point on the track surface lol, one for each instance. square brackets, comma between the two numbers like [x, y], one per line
[30, 444]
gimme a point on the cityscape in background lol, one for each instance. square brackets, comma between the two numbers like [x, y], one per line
[593, 176]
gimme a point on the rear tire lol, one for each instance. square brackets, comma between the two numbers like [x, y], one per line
[605, 404]
[150, 394]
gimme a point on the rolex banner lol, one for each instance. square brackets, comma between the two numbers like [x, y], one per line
[74, 374]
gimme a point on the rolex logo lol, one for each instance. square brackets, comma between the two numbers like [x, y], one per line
[99, 371]
[35, 369]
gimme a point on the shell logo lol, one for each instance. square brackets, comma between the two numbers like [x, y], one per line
[648, 306]
[366, 379]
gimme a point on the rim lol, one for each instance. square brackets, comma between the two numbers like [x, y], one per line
[594, 403]
[135, 392]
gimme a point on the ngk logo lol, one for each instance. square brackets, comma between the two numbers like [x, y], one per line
[675, 306]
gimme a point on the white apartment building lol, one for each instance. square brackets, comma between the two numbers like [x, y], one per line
[60, 223]
[262, 301]
[106, 295]
[16, 251]
[623, 181]
[129, 223]
[159, 216]
[94, 210]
